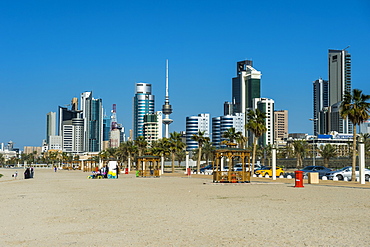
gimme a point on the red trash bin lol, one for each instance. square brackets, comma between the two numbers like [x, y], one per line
[298, 179]
[189, 171]
[126, 170]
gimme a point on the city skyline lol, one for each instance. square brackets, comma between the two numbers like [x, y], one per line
[52, 53]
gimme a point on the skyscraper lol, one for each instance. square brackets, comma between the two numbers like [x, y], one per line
[266, 106]
[195, 124]
[339, 75]
[246, 86]
[143, 103]
[51, 123]
[339, 83]
[92, 114]
[320, 101]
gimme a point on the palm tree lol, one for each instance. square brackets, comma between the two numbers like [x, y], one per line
[230, 134]
[141, 144]
[356, 108]
[327, 151]
[126, 151]
[267, 151]
[366, 138]
[208, 151]
[181, 155]
[256, 124]
[241, 140]
[300, 148]
[285, 152]
[161, 147]
[176, 145]
[2, 160]
[200, 138]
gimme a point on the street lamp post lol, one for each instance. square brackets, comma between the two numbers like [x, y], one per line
[274, 162]
[313, 141]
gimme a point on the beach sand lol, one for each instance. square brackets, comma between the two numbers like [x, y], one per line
[64, 208]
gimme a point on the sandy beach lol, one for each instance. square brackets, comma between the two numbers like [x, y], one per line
[64, 208]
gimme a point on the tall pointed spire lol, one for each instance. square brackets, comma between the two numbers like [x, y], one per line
[167, 108]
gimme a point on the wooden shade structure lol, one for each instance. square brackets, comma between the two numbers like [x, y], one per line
[231, 176]
[148, 166]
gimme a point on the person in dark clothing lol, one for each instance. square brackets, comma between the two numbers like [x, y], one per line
[117, 171]
[27, 173]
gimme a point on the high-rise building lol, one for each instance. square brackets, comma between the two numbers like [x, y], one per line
[92, 114]
[266, 106]
[320, 102]
[364, 127]
[339, 75]
[339, 64]
[280, 125]
[246, 86]
[223, 123]
[152, 127]
[143, 103]
[51, 123]
[228, 108]
[106, 127]
[336, 123]
[194, 124]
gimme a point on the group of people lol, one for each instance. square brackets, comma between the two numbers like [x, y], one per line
[105, 172]
[28, 173]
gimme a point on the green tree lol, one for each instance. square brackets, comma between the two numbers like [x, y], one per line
[141, 144]
[356, 108]
[200, 138]
[126, 152]
[208, 151]
[299, 148]
[231, 135]
[241, 140]
[267, 151]
[366, 138]
[2, 160]
[327, 151]
[256, 124]
[181, 155]
[176, 145]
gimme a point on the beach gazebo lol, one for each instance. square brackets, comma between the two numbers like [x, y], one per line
[148, 166]
[220, 174]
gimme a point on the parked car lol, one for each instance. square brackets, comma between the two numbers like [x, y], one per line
[346, 172]
[268, 171]
[210, 170]
[322, 170]
[202, 169]
[239, 167]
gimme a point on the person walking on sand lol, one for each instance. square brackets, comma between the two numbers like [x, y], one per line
[55, 169]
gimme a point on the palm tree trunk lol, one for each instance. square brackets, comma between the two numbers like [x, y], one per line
[298, 161]
[199, 157]
[173, 162]
[354, 149]
[253, 155]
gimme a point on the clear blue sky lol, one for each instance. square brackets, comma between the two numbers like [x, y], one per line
[51, 51]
